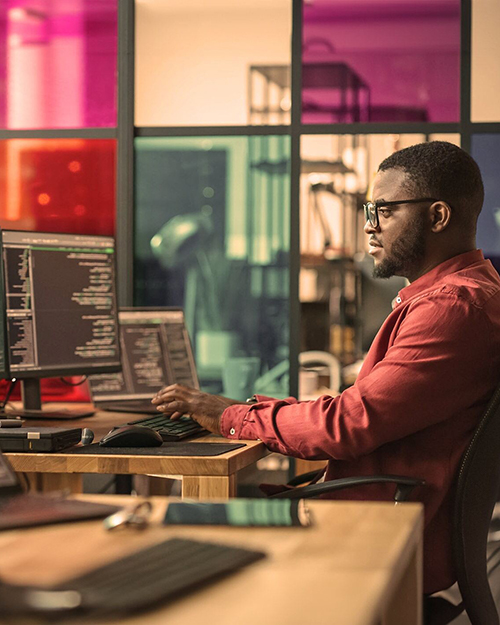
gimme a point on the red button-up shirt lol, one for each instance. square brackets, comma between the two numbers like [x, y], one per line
[423, 387]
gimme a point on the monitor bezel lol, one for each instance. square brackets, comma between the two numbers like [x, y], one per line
[152, 309]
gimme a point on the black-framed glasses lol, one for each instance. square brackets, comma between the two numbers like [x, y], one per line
[371, 208]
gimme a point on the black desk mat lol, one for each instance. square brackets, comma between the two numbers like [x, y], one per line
[167, 449]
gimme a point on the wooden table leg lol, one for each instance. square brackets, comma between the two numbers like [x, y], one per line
[156, 485]
[47, 482]
[406, 605]
[209, 486]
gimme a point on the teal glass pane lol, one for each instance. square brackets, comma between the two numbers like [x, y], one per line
[212, 235]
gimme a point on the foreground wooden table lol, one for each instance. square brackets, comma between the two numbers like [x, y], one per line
[360, 564]
[205, 477]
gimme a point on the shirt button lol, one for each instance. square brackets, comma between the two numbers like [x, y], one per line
[232, 431]
[398, 300]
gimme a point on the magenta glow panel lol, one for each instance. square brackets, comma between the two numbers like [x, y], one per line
[381, 61]
[58, 63]
[58, 185]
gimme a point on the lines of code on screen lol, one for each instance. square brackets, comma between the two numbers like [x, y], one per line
[156, 351]
[61, 302]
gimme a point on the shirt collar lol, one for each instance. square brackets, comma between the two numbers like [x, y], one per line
[438, 273]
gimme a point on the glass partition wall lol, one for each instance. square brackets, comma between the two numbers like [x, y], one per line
[230, 145]
[212, 235]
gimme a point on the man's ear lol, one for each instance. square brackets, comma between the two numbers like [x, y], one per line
[440, 214]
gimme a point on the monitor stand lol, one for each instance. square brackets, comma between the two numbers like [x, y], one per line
[32, 405]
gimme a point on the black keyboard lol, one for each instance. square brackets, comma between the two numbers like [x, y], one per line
[139, 581]
[157, 573]
[171, 430]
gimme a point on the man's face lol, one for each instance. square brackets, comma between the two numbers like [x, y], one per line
[398, 244]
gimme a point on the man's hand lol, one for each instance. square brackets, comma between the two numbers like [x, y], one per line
[177, 400]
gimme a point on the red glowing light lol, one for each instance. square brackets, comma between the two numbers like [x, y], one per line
[74, 166]
[44, 199]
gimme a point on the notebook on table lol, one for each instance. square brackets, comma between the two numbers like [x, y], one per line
[18, 509]
[156, 351]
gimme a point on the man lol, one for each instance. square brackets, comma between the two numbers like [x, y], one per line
[432, 367]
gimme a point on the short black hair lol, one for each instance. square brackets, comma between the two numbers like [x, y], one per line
[443, 171]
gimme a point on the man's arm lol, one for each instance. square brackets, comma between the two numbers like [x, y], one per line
[428, 374]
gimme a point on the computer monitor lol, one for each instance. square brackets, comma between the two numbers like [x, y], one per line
[60, 307]
[156, 351]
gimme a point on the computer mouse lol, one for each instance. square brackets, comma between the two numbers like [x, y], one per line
[132, 436]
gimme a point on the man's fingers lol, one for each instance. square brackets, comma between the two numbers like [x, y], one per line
[176, 415]
[172, 407]
[161, 398]
[164, 399]
[169, 393]
[173, 399]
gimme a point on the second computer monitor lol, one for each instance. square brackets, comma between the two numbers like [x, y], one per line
[156, 351]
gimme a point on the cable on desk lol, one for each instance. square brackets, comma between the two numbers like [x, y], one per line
[8, 393]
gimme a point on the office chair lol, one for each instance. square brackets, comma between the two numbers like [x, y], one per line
[476, 490]
[476, 493]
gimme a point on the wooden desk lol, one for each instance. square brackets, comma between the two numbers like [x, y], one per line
[204, 477]
[360, 564]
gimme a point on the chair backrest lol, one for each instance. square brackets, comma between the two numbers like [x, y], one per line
[476, 493]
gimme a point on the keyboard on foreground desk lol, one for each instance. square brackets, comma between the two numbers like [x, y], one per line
[136, 582]
[171, 430]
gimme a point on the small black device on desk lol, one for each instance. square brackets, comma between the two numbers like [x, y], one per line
[132, 436]
[11, 423]
[38, 438]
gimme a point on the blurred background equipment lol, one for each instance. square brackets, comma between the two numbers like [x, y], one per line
[182, 242]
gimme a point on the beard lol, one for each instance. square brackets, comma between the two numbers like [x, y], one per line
[406, 254]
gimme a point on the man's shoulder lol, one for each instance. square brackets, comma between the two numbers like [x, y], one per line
[454, 312]
[478, 285]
